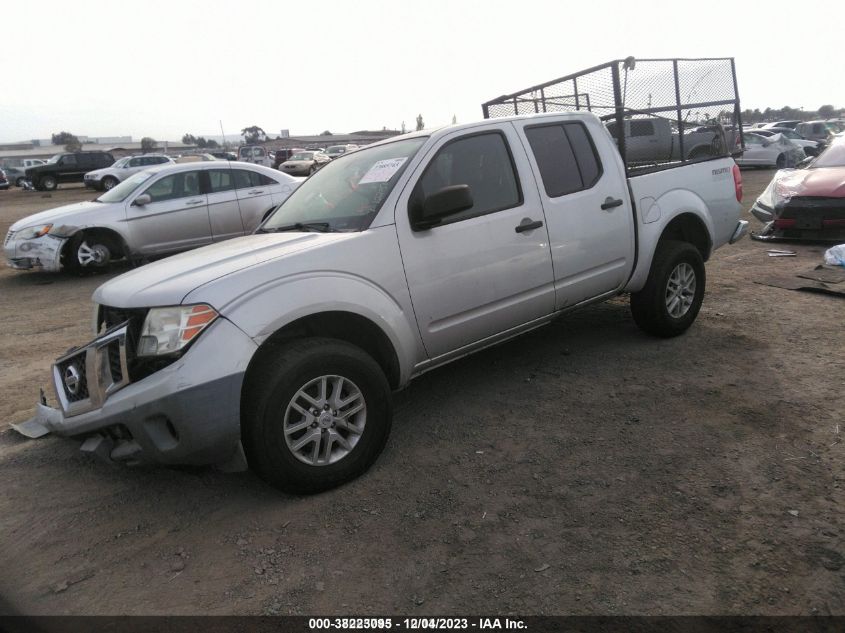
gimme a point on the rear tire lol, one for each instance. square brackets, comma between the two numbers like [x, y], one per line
[283, 406]
[672, 296]
[19, 182]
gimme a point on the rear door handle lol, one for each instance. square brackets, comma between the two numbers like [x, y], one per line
[255, 192]
[192, 203]
[610, 203]
[528, 225]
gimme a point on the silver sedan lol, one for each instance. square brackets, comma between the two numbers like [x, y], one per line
[153, 213]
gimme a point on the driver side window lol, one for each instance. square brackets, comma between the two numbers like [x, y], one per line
[483, 162]
[179, 185]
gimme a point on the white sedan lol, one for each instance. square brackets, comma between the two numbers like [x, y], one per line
[154, 213]
[107, 177]
[774, 151]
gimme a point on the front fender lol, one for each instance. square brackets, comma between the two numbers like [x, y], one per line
[267, 308]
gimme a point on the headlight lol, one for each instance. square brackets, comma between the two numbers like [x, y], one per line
[32, 232]
[767, 198]
[169, 330]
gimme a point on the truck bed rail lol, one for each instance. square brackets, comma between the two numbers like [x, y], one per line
[695, 95]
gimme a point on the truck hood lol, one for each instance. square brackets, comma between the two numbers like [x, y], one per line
[823, 182]
[58, 215]
[169, 281]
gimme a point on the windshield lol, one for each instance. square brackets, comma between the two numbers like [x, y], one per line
[120, 192]
[122, 162]
[833, 126]
[55, 159]
[337, 149]
[348, 192]
[303, 156]
[833, 156]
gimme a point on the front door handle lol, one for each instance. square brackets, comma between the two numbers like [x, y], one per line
[528, 225]
[610, 203]
[192, 203]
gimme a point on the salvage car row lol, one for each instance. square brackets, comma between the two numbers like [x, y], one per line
[155, 212]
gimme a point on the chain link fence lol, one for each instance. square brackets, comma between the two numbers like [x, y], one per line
[670, 111]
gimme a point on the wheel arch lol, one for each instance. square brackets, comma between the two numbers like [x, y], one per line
[346, 326]
[689, 227]
[689, 224]
[114, 240]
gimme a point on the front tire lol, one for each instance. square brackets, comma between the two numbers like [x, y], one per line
[109, 183]
[780, 163]
[672, 296]
[88, 252]
[19, 182]
[316, 413]
[49, 183]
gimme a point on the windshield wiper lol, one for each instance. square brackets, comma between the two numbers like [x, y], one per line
[322, 227]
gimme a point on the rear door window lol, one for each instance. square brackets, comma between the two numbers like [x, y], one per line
[566, 157]
[245, 179]
[220, 180]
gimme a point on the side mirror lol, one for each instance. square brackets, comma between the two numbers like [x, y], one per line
[142, 200]
[766, 143]
[440, 205]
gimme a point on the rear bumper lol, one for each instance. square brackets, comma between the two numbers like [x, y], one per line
[186, 413]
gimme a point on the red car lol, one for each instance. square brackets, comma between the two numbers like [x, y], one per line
[806, 203]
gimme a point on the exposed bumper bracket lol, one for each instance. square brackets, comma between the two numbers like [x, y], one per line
[739, 231]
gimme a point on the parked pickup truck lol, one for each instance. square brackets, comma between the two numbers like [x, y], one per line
[280, 349]
[653, 139]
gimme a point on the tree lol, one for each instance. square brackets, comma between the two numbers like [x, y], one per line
[67, 139]
[253, 134]
[826, 111]
[420, 124]
[211, 143]
[148, 144]
[325, 133]
[189, 139]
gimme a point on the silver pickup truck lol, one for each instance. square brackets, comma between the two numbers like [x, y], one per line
[280, 349]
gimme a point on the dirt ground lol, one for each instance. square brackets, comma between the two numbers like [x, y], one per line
[585, 468]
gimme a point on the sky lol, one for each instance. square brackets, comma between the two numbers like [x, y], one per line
[163, 69]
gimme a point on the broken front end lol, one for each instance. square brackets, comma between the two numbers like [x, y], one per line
[806, 218]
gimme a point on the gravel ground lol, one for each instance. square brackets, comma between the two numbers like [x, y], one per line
[584, 468]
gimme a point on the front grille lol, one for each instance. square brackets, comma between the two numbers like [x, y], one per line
[74, 380]
[9, 237]
[114, 361]
[112, 317]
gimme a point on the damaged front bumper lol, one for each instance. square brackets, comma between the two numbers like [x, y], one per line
[185, 413]
[802, 218]
[44, 253]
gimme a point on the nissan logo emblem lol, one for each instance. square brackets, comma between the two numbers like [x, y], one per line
[72, 380]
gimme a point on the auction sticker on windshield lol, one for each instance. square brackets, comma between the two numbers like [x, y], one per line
[383, 170]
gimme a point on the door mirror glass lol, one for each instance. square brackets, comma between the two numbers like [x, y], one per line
[440, 205]
[142, 200]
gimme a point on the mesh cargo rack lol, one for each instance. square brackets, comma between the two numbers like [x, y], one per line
[698, 97]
